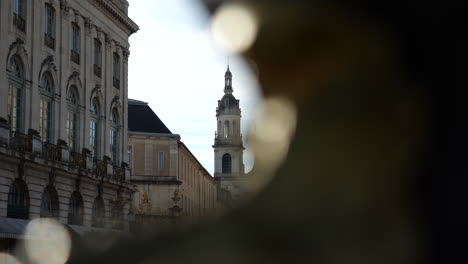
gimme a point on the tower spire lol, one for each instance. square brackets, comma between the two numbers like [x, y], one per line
[228, 81]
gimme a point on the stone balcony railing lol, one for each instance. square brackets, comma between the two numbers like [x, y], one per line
[232, 141]
[31, 146]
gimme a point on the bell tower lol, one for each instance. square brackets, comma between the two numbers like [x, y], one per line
[228, 147]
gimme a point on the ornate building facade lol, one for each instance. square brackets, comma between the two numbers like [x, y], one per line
[170, 180]
[63, 113]
[228, 146]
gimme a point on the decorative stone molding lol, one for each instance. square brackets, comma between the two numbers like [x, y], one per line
[119, 15]
[65, 7]
[115, 103]
[88, 25]
[18, 48]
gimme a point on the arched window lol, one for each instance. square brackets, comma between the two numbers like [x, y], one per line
[72, 118]
[114, 135]
[117, 217]
[227, 163]
[75, 209]
[226, 129]
[15, 93]
[50, 203]
[18, 200]
[94, 125]
[45, 106]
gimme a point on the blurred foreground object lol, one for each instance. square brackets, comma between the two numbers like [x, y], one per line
[376, 166]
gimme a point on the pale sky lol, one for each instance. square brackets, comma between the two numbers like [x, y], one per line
[175, 67]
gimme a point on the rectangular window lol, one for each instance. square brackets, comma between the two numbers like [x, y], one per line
[71, 130]
[13, 112]
[113, 144]
[76, 41]
[44, 120]
[160, 161]
[93, 137]
[116, 70]
[49, 27]
[19, 14]
[97, 57]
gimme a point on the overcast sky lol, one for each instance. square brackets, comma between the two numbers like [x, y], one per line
[175, 67]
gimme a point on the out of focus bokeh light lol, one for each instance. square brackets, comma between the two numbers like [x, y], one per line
[234, 27]
[7, 259]
[49, 242]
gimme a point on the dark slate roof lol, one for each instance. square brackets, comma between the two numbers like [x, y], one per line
[228, 102]
[141, 118]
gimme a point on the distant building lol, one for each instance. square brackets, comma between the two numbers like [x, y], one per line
[228, 147]
[164, 170]
[63, 114]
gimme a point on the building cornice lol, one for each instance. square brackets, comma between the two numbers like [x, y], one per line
[149, 134]
[122, 18]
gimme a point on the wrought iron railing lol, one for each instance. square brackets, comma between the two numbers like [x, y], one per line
[19, 22]
[75, 56]
[100, 168]
[77, 160]
[20, 142]
[97, 70]
[49, 41]
[52, 152]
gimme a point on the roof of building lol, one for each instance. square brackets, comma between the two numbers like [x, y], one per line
[207, 174]
[141, 118]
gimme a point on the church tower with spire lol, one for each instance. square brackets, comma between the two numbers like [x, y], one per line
[228, 147]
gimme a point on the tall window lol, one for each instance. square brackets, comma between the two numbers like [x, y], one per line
[15, 91]
[94, 127]
[226, 163]
[72, 118]
[76, 41]
[97, 57]
[99, 212]
[18, 200]
[116, 79]
[49, 26]
[19, 14]
[50, 203]
[161, 161]
[45, 104]
[226, 129]
[114, 135]
[75, 209]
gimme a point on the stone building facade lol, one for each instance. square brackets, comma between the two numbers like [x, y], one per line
[228, 146]
[167, 175]
[63, 112]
